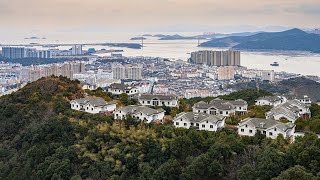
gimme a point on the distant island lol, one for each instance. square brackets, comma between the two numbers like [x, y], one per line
[125, 45]
[138, 38]
[294, 39]
[34, 37]
[179, 37]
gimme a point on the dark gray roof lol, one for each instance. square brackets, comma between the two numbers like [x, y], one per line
[94, 101]
[266, 123]
[199, 117]
[122, 87]
[220, 104]
[133, 109]
[270, 98]
[159, 97]
[291, 112]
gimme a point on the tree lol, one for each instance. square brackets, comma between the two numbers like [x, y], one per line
[246, 172]
[296, 173]
[170, 170]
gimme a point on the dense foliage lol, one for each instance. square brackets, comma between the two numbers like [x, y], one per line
[41, 138]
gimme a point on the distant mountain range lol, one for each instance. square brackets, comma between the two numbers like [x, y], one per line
[294, 39]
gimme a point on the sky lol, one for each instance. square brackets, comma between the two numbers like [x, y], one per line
[157, 15]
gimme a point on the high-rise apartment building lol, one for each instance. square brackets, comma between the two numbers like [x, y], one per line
[133, 72]
[76, 50]
[21, 52]
[14, 52]
[129, 71]
[118, 71]
[216, 58]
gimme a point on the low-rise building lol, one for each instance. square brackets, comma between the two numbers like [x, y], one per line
[199, 121]
[303, 99]
[291, 111]
[269, 101]
[141, 112]
[221, 107]
[159, 100]
[93, 105]
[117, 89]
[268, 127]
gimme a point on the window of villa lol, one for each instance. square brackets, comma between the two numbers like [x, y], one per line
[177, 123]
[221, 112]
[242, 130]
[270, 133]
[92, 109]
[211, 126]
[192, 124]
[207, 121]
[203, 125]
[204, 111]
[197, 124]
[250, 131]
[185, 124]
[246, 125]
[275, 129]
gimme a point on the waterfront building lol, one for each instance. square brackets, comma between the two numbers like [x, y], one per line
[216, 58]
[14, 52]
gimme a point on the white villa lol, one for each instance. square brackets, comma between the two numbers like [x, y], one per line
[268, 127]
[291, 111]
[270, 101]
[200, 121]
[141, 112]
[117, 89]
[303, 99]
[93, 105]
[221, 107]
[158, 100]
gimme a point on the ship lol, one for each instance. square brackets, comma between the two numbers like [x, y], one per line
[274, 64]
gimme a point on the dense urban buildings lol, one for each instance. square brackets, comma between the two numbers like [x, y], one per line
[216, 58]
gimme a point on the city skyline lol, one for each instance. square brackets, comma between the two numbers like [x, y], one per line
[156, 15]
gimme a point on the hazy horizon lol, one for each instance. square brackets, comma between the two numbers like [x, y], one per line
[156, 15]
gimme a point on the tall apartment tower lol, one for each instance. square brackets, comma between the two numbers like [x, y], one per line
[216, 58]
[76, 50]
[118, 71]
[133, 72]
[14, 52]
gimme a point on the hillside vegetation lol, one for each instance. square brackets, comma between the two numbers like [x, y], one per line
[293, 39]
[41, 138]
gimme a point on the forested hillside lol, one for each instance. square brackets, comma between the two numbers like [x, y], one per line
[41, 138]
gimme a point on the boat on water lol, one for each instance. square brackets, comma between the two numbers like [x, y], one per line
[274, 64]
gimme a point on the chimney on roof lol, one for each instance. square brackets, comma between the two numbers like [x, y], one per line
[262, 124]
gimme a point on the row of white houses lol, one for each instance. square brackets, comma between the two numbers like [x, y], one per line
[286, 107]
[195, 120]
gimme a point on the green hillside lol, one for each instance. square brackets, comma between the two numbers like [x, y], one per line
[41, 138]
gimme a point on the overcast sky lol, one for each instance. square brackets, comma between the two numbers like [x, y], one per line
[144, 15]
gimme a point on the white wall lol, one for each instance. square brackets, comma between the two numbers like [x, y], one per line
[75, 105]
[244, 130]
[172, 103]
